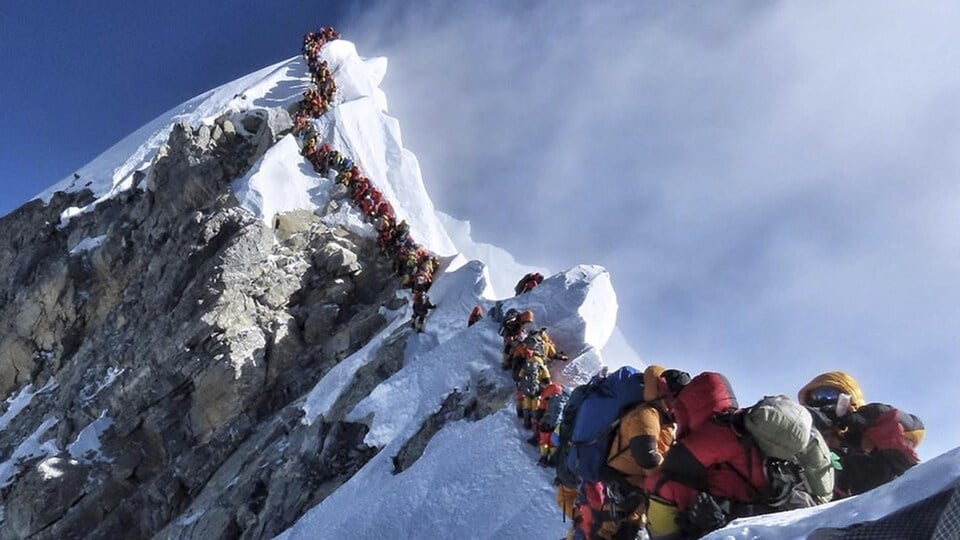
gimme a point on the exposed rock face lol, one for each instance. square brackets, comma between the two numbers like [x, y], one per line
[180, 339]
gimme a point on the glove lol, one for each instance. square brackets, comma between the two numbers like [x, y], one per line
[821, 419]
[704, 515]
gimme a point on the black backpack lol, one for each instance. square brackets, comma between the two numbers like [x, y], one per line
[510, 320]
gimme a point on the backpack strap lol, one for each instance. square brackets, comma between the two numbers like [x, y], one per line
[770, 499]
[734, 419]
[626, 447]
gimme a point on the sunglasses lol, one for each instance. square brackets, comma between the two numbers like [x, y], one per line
[825, 395]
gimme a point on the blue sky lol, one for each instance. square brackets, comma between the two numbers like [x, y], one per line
[774, 189]
[79, 76]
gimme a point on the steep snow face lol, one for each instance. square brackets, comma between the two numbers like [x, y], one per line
[360, 127]
[280, 182]
[474, 480]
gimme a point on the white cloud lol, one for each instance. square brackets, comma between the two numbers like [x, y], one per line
[773, 189]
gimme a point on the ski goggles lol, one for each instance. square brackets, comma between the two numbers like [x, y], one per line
[824, 395]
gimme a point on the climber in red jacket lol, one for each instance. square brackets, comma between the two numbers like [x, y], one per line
[708, 466]
[475, 315]
[875, 442]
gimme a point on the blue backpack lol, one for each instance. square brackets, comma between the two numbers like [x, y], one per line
[596, 419]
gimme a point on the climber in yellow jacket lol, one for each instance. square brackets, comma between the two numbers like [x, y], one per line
[642, 439]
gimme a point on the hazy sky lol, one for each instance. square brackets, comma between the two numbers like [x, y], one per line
[773, 187]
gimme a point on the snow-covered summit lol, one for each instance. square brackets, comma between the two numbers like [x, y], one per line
[359, 127]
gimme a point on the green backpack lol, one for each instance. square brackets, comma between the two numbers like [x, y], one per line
[783, 430]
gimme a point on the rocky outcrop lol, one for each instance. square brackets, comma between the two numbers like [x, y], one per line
[178, 331]
[472, 404]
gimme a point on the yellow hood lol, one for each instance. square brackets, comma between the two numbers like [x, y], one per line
[651, 388]
[839, 380]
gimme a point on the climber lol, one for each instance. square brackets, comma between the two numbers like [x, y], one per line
[549, 412]
[376, 195]
[534, 377]
[640, 442]
[409, 267]
[384, 209]
[329, 34]
[366, 206]
[421, 306]
[344, 178]
[301, 122]
[403, 228]
[528, 282]
[707, 467]
[475, 315]
[875, 442]
[541, 342]
[421, 281]
[384, 226]
[309, 147]
[513, 329]
[360, 188]
[628, 422]
[537, 341]
[514, 322]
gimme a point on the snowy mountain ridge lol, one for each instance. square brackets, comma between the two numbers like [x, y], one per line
[435, 449]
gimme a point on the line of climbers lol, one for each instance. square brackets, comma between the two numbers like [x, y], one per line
[528, 353]
[661, 454]
[414, 263]
[318, 99]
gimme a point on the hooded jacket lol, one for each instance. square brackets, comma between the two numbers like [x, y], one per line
[835, 379]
